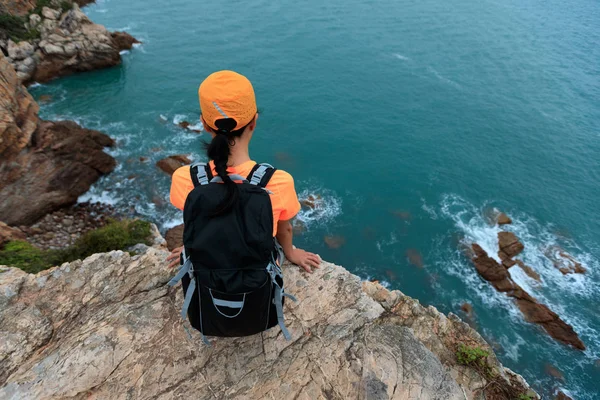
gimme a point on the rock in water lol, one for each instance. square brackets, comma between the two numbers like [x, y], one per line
[174, 237]
[503, 219]
[509, 245]
[562, 396]
[123, 40]
[172, 163]
[534, 312]
[467, 309]
[115, 312]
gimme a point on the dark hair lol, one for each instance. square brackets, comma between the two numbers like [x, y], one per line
[218, 151]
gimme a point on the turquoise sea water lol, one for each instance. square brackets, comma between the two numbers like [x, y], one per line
[410, 119]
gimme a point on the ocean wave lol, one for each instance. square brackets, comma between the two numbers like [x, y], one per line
[320, 206]
[401, 57]
[96, 196]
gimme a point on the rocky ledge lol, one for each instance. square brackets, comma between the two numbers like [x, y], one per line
[109, 327]
[43, 165]
[60, 41]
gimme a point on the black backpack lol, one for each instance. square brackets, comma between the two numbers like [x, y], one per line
[230, 272]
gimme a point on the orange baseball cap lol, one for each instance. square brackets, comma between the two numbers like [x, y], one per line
[227, 94]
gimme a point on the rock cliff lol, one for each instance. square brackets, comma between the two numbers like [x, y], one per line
[43, 165]
[109, 327]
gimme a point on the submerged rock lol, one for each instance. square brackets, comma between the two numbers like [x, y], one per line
[334, 242]
[115, 312]
[529, 271]
[415, 257]
[554, 372]
[563, 261]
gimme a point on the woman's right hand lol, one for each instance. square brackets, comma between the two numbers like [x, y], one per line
[304, 259]
[174, 258]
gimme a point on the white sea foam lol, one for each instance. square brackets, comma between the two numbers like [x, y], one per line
[102, 197]
[382, 245]
[123, 52]
[178, 118]
[428, 209]
[401, 57]
[443, 78]
[327, 206]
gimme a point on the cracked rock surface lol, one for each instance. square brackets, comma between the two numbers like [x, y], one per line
[109, 327]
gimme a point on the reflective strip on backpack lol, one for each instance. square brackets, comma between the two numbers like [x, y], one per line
[188, 298]
[274, 271]
[259, 173]
[234, 177]
[201, 172]
[184, 269]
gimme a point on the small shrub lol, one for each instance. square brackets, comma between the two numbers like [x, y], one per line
[40, 4]
[117, 235]
[525, 397]
[13, 26]
[25, 256]
[474, 356]
[65, 5]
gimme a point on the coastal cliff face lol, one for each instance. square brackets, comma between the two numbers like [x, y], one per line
[44, 165]
[109, 327]
[60, 41]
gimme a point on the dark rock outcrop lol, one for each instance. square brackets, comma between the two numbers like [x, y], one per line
[509, 244]
[61, 164]
[534, 312]
[174, 237]
[172, 163]
[123, 40]
[44, 165]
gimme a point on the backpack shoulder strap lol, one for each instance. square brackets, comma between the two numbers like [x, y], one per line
[201, 173]
[261, 174]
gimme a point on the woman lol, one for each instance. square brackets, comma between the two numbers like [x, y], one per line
[229, 114]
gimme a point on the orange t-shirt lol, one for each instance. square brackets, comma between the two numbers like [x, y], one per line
[283, 198]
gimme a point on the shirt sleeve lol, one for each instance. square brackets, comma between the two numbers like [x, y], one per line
[181, 186]
[285, 197]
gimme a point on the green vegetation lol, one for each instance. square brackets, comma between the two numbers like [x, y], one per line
[117, 235]
[14, 26]
[525, 397]
[471, 355]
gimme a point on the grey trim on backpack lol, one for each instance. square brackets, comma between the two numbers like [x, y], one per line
[259, 173]
[201, 172]
[234, 177]
[186, 268]
[229, 304]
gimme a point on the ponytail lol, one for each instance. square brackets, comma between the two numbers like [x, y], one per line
[218, 151]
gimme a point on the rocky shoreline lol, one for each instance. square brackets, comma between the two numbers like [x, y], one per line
[61, 41]
[45, 166]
